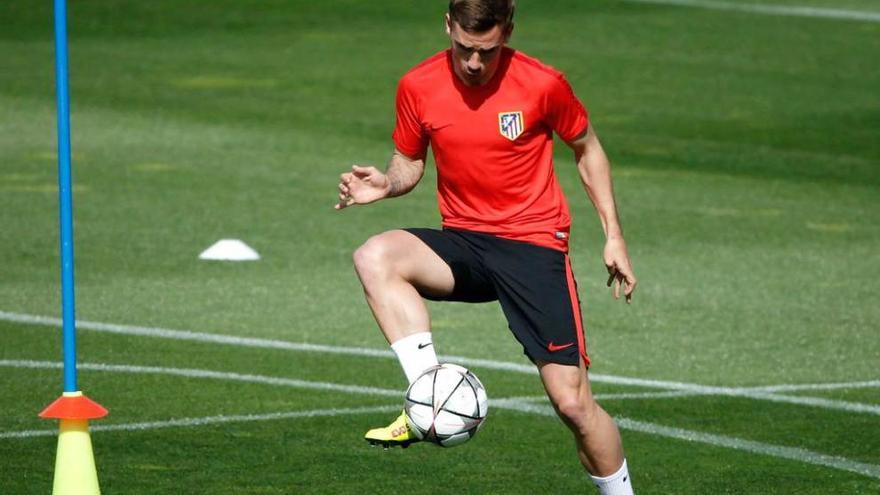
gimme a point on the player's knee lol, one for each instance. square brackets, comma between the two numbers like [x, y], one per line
[570, 409]
[574, 409]
[372, 259]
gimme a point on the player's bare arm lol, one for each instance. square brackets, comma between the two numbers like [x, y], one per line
[595, 172]
[365, 185]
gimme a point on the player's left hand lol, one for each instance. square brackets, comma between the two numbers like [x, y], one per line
[620, 272]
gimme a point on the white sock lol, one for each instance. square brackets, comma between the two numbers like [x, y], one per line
[415, 353]
[616, 484]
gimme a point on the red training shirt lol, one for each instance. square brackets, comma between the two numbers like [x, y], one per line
[493, 144]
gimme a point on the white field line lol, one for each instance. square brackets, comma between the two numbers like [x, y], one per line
[838, 405]
[770, 9]
[645, 395]
[515, 404]
[184, 335]
[754, 394]
[192, 373]
[540, 399]
[817, 386]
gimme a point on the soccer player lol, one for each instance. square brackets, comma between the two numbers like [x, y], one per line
[488, 113]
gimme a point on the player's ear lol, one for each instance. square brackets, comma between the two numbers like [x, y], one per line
[448, 25]
[507, 32]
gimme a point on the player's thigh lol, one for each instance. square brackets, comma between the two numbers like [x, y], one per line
[402, 254]
[566, 383]
[538, 296]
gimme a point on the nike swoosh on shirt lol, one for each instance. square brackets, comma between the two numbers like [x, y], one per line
[437, 127]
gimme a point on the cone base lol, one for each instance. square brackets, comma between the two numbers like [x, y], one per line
[74, 405]
[75, 472]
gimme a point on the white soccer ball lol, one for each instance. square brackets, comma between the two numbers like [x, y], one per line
[446, 405]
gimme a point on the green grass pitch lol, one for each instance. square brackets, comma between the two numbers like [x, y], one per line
[746, 152]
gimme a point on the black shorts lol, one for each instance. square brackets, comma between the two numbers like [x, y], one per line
[534, 284]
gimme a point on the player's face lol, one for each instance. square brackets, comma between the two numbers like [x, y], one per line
[475, 56]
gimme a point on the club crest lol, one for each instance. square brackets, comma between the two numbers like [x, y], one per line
[510, 124]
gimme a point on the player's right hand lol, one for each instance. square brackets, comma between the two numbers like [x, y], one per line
[363, 185]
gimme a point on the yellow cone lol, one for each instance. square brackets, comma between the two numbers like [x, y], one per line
[75, 472]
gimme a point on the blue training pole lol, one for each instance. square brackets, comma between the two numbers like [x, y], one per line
[65, 197]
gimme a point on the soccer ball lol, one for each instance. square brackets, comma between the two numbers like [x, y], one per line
[446, 405]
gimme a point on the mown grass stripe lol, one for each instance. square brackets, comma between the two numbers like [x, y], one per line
[780, 10]
[791, 453]
[185, 335]
[210, 420]
[516, 404]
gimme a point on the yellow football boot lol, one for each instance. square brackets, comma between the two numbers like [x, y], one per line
[397, 434]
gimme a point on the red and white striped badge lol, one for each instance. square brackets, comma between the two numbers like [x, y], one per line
[510, 124]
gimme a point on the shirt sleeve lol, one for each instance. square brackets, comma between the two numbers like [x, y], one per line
[409, 135]
[565, 113]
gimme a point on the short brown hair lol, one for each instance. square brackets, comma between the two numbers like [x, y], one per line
[477, 16]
